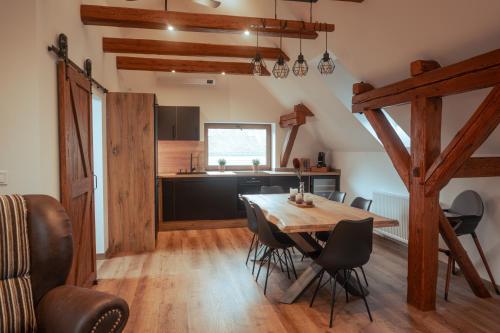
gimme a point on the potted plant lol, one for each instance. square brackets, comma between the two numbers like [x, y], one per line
[222, 164]
[255, 165]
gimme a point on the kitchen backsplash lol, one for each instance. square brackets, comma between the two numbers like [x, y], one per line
[175, 155]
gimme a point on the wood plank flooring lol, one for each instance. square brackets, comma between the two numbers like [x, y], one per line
[196, 281]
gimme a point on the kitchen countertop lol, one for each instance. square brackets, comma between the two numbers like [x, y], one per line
[246, 174]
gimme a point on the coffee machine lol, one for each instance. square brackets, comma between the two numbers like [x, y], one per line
[321, 160]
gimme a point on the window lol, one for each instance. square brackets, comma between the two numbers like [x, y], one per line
[238, 144]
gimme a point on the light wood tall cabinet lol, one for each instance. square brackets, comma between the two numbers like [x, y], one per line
[130, 123]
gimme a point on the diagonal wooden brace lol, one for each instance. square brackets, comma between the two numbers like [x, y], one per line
[392, 143]
[479, 127]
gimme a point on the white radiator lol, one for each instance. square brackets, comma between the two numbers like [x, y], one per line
[396, 207]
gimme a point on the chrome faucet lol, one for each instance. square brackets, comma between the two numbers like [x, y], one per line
[191, 169]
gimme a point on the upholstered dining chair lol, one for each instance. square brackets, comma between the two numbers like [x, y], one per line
[274, 240]
[36, 252]
[337, 196]
[348, 247]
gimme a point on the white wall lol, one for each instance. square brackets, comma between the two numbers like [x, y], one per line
[29, 148]
[367, 172]
[232, 99]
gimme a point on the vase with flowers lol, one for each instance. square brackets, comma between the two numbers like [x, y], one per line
[298, 173]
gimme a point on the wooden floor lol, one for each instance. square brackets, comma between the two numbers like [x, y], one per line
[196, 281]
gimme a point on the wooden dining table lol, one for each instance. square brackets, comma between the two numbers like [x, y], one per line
[299, 222]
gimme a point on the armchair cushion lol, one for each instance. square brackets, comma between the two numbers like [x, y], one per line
[70, 309]
[16, 301]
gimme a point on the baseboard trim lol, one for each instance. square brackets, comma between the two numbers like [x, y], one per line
[202, 224]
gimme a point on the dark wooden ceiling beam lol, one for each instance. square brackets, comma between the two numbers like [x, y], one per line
[475, 73]
[160, 47]
[184, 66]
[160, 19]
[480, 167]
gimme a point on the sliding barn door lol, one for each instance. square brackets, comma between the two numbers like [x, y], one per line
[76, 171]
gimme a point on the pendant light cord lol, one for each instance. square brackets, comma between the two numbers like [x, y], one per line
[326, 34]
[311, 12]
[275, 9]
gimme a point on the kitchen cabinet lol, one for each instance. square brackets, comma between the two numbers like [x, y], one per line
[200, 199]
[216, 198]
[179, 123]
[287, 182]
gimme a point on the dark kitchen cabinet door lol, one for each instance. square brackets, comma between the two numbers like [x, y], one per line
[167, 122]
[202, 199]
[188, 123]
[286, 182]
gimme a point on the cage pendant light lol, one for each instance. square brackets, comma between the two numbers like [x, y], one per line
[258, 63]
[281, 69]
[326, 65]
[300, 67]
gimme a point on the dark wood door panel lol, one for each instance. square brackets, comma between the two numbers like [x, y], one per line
[76, 170]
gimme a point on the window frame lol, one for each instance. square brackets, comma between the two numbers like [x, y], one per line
[269, 150]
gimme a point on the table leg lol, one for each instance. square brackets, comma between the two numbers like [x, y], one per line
[308, 246]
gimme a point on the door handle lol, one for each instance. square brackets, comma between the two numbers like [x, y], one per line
[95, 182]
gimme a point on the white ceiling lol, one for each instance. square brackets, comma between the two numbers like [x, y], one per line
[374, 41]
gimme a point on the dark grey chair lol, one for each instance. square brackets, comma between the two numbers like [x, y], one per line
[337, 196]
[362, 203]
[464, 215]
[348, 247]
[271, 190]
[274, 240]
[358, 202]
[252, 226]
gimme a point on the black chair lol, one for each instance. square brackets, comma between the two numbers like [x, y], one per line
[337, 196]
[271, 190]
[252, 226]
[348, 247]
[360, 203]
[274, 240]
[464, 215]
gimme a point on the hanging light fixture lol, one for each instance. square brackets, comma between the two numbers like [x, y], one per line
[281, 69]
[326, 65]
[300, 67]
[258, 64]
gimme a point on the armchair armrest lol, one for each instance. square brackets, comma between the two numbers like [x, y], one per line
[70, 309]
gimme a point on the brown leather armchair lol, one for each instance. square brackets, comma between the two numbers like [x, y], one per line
[60, 307]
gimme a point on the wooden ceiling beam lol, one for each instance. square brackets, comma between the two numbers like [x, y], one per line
[475, 73]
[183, 21]
[160, 47]
[480, 167]
[184, 66]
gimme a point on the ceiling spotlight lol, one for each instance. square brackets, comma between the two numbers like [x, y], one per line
[170, 28]
[173, 71]
[223, 73]
[247, 33]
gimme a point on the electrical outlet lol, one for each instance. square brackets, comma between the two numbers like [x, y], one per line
[3, 177]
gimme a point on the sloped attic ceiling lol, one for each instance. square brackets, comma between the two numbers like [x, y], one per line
[375, 42]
